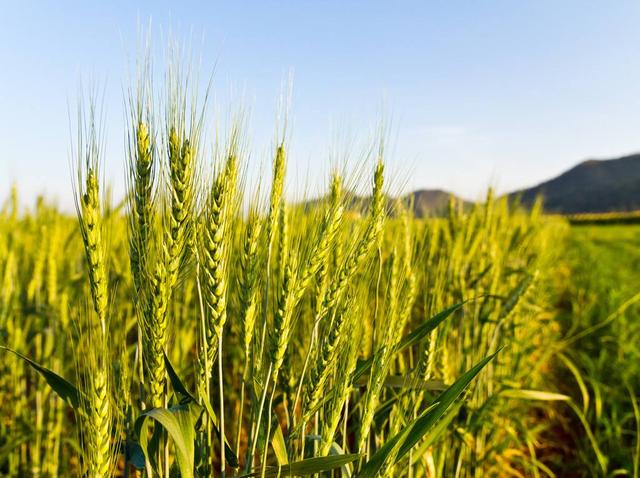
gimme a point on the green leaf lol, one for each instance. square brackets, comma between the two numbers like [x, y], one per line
[439, 428]
[279, 446]
[602, 459]
[363, 366]
[533, 395]
[579, 380]
[346, 469]
[425, 329]
[65, 390]
[396, 447]
[179, 421]
[308, 467]
[177, 384]
[443, 402]
[186, 397]
[412, 338]
[229, 454]
[409, 382]
[134, 454]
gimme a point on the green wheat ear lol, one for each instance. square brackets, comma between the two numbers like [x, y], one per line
[182, 193]
[155, 336]
[249, 282]
[141, 205]
[91, 224]
[214, 264]
[277, 188]
[364, 246]
[91, 353]
[331, 222]
[328, 354]
[282, 321]
[99, 426]
[343, 385]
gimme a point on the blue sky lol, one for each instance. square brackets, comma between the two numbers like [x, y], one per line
[475, 92]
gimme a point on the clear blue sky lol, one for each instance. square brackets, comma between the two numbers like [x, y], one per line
[478, 92]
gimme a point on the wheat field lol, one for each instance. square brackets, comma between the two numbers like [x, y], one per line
[207, 326]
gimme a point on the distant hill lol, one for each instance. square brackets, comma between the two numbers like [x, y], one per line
[431, 202]
[426, 202]
[591, 186]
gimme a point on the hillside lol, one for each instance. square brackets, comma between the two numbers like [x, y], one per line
[591, 186]
[426, 202]
[431, 202]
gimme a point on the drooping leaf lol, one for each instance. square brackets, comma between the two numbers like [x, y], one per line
[65, 389]
[445, 399]
[582, 386]
[177, 384]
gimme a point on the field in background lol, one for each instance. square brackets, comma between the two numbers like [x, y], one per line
[599, 312]
[632, 217]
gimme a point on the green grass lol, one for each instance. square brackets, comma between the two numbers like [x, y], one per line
[602, 278]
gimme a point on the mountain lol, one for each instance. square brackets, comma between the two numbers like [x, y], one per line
[426, 202]
[611, 185]
[595, 185]
[431, 202]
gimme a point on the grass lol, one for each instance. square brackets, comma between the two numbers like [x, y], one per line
[599, 310]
